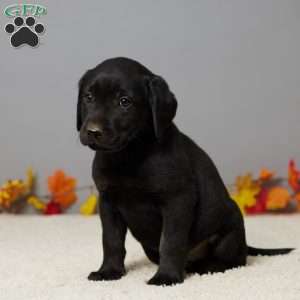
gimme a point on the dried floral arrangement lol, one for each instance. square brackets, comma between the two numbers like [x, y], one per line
[268, 193]
[16, 194]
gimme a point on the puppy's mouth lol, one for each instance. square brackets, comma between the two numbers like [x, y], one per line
[101, 148]
[116, 146]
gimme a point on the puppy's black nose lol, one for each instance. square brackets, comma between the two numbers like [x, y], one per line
[94, 131]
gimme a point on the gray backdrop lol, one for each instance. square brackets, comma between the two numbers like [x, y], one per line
[233, 65]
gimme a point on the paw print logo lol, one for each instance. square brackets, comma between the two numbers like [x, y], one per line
[24, 32]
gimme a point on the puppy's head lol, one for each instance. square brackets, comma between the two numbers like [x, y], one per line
[119, 100]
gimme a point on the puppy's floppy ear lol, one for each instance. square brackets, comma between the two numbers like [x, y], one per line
[78, 117]
[79, 105]
[163, 104]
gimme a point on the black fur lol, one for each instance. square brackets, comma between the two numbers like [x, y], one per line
[154, 180]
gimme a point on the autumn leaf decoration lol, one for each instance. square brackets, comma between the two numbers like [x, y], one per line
[267, 193]
[294, 181]
[62, 189]
[246, 189]
[13, 193]
[62, 194]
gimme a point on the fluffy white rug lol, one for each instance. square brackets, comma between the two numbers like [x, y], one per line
[50, 257]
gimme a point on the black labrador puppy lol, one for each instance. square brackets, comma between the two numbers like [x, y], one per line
[154, 180]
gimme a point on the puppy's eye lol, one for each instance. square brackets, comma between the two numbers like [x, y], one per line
[88, 97]
[125, 102]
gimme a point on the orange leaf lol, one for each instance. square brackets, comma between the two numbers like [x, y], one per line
[265, 174]
[278, 197]
[293, 176]
[62, 188]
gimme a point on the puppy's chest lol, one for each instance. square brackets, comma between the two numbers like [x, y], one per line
[155, 173]
[137, 196]
[142, 214]
[133, 182]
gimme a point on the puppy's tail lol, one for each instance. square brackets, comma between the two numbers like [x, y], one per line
[257, 251]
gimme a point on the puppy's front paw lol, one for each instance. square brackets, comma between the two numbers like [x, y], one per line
[165, 279]
[105, 275]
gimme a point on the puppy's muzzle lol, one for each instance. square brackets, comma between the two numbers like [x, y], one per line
[94, 132]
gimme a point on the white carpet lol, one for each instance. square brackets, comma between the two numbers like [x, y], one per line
[50, 257]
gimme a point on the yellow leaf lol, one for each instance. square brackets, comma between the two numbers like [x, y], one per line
[88, 207]
[245, 198]
[36, 203]
[30, 179]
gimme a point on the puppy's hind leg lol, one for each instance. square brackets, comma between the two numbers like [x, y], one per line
[227, 252]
